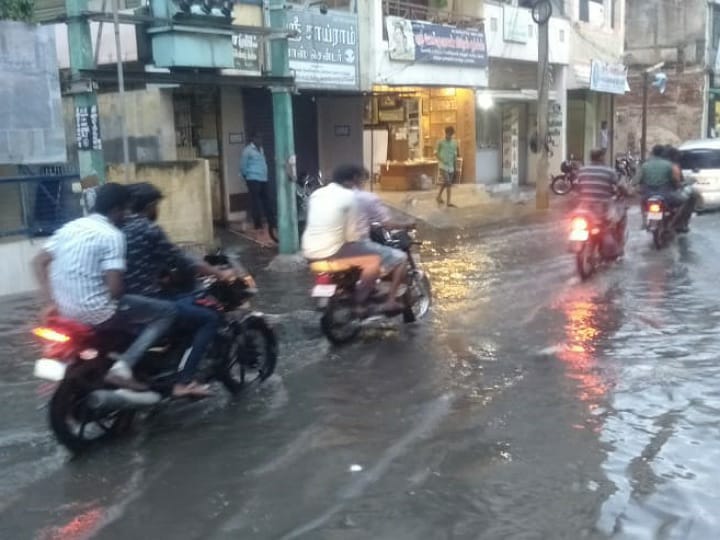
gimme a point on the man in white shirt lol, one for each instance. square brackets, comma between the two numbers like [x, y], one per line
[332, 233]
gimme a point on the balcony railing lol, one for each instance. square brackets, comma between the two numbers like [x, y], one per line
[422, 12]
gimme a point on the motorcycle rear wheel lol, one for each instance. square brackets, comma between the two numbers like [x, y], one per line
[70, 419]
[661, 237]
[338, 322]
[561, 184]
[588, 259]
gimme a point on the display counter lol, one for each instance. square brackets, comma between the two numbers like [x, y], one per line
[407, 175]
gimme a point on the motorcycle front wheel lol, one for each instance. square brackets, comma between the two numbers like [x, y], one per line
[338, 321]
[252, 355]
[418, 298]
[587, 260]
[75, 425]
[561, 184]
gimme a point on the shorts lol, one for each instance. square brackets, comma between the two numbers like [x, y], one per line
[446, 177]
[390, 258]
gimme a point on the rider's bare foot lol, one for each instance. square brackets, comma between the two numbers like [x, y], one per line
[192, 389]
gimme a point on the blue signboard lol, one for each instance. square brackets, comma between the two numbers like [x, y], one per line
[436, 44]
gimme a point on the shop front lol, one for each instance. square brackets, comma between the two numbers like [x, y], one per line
[591, 103]
[424, 81]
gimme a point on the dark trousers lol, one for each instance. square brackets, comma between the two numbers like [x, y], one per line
[260, 204]
[203, 322]
[151, 317]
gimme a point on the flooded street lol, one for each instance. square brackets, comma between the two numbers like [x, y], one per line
[526, 406]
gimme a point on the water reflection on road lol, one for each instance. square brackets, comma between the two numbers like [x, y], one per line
[529, 405]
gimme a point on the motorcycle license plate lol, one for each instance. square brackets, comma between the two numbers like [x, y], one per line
[655, 216]
[49, 369]
[579, 236]
[323, 291]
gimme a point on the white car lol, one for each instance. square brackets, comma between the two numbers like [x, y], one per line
[700, 162]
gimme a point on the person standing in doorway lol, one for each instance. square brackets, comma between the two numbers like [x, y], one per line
[447, 153]
[254, 169]
[604, 137]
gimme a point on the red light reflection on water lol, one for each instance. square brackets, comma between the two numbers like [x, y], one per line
[81, 527]
[578, 352]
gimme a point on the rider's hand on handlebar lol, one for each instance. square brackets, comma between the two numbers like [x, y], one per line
[228, 275]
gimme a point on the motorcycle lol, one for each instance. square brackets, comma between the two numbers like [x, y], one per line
[593, 241]
[564, 183]
[335, 284]
[662, 220]
[625, 166]
[85, 410]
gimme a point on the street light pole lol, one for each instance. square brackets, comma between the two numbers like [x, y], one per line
[90, 162]
[643, 134]
[284, 136]
[541, 13]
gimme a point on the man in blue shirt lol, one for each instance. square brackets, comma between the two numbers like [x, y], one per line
[149, 254]
[254, 169]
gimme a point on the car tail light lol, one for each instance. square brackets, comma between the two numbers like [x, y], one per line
[48, 334]
[654, 207]
[579, 224]
[323, 279]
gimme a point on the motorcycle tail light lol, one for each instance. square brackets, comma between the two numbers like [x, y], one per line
[655, 207]
[323, 279]
[579, 224]
[48, 334]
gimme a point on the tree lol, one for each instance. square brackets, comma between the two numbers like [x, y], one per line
[17, 10]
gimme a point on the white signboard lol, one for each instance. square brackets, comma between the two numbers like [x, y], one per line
[609, 78]
[31, 115]
[516, 24]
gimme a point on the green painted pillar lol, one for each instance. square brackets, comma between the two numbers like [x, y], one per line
[81, 57]
[284, 135]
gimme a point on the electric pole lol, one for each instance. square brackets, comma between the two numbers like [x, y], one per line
[542, 11]
[91, 161]
[284, 137]
[643, 133]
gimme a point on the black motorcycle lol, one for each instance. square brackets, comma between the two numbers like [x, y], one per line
[335, 284]
[626, 166]
[593, 241]
[84, 409]
[565, 182]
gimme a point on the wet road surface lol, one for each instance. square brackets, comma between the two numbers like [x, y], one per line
[527, 406]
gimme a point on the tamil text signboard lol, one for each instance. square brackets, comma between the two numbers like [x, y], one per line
[608, 78]
[324, 52]
[426, 43]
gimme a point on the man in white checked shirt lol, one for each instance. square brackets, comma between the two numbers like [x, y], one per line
[81, 272]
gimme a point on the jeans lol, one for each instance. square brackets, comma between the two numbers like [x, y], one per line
[152, 317]
[260, 203]
[204, 323]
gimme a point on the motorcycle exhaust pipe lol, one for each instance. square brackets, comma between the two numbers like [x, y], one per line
[121, 400]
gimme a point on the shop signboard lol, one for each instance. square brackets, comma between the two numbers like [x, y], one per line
[324, 54]
[609, 78]
[246, 53]
[87, 128]
[427, 43]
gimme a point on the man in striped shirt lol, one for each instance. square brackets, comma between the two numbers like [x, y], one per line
[81, 272]
[597, 186]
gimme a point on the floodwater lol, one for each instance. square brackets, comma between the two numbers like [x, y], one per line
[527, 406]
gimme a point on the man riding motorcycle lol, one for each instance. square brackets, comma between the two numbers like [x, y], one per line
[332, 233]
[80, 272]
[150, 254]
[661, 176]
[597, 187]
[371, 210]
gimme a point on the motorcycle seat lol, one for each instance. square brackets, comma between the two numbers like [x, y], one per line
[330, 266]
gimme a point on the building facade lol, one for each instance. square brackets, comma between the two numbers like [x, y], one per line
[683, 35]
